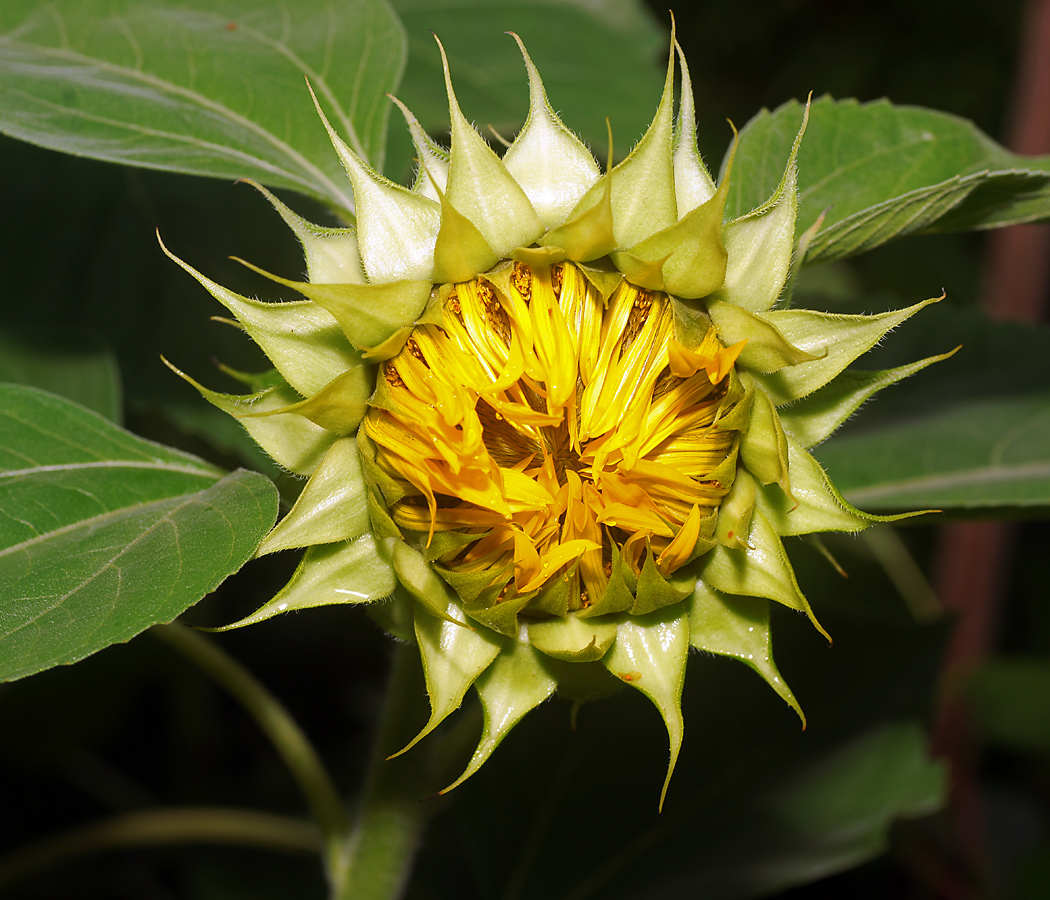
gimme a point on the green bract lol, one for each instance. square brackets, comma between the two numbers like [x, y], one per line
[555, 422]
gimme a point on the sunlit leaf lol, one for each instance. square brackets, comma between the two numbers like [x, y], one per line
[103, 534]
[209, 87]
[881, 171]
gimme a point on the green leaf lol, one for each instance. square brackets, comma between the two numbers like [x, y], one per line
[971, 431]
[207, 87]
[882, 171]
[79, 370]
[828, 814]
[103, 534]
[582, 50]
[986, 452]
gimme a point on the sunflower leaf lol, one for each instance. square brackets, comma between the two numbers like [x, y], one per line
[104, 534]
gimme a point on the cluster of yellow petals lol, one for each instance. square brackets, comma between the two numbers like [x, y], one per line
[553, 423]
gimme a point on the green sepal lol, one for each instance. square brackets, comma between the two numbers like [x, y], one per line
[338, 407]
[834, 340]
[332, 256]
[797, 260]
[691, 323]
[547, 160]
[332, 506]
[588, 235]
[357, 571]
[725, 471]
[434, 312]
[383, 524]
[759, 569]
[461, 250]
[763, 445]
[395, 614]
[737, 627]
[389, 348]
[304, 342]
[553, 598]
[767, 350]
[650, 654]
[396, 228]
[432, 170]
[454, 654]
[705, 541]
[604, 282]
[381, 487]
[656, 591]
[539, 256]
[499, 615]
[693, 185]
[688, 258]
[295, 443]
[515, 684]
[816, 416]
[471, 585]
[390, 488]
[444, 545]
[381, 397]
[734, 411]
[573, 639]
[368, 313]
[760, 244]
[815, 503]
[418, 577]
[641, 272]
[481, 188]
[617, 596]
[642, 189]
[734, 514]
[255, 381]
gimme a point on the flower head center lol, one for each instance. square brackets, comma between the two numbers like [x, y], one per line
[548, 441]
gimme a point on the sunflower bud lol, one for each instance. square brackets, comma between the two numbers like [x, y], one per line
[554, 422]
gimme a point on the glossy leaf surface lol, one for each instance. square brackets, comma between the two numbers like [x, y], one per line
[989, 452]
[207, 88]
[103, 534]
[881, 171]
[969, 432]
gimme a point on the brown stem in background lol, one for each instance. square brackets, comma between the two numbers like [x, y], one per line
[974, 558]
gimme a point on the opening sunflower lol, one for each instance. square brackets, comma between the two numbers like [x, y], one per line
[555, 422]
[548, 437]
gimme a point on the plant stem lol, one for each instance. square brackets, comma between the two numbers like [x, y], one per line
[188, 825]
[277, 723]
[378, 855]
